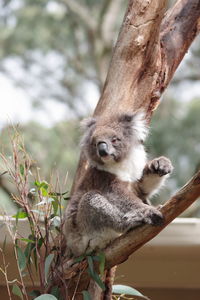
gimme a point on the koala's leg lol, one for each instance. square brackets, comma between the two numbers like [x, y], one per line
[143, 214]
[154, 175]
[95, 212]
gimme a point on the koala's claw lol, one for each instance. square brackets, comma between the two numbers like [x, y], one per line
[155, 218]
[161, 166]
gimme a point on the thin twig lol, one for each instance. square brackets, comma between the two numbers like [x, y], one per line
[5, 273]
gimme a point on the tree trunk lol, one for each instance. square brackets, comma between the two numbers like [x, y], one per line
[150, 46]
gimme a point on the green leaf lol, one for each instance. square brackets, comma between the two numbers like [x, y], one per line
[21, 258]
[21, 168]
[20, 215]
[48, 262]
[55, 291]
[37, 183]
[46, 297]
[45, 201]
[80, 258]
[44, 192]
[93, 274]
[126, 290]
[40, 242]
[98, 280]
[86, 295]
[90, 265]
[30, 246]
[17, 291]
[27, 240]
[34, 293]
[56, 221]
[55, 205]
[44, 185]
[35, 257]
[101, 263]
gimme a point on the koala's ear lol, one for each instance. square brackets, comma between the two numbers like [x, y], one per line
[140, 125]
[126, 118]
[137, 122]
[87, 123]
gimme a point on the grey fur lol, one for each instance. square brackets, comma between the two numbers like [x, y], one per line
[107, 202]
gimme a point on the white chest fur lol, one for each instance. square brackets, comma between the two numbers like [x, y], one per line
[131, 168]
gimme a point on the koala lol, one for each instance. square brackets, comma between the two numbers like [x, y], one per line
[113, 195]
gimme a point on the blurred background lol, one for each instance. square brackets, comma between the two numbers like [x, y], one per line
[54, 56]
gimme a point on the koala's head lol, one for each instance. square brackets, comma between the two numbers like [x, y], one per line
[108, 141]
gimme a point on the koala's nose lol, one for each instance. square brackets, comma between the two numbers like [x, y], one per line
[102, 148]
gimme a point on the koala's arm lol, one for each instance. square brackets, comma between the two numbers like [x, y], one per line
[154, 175]
[96, 212]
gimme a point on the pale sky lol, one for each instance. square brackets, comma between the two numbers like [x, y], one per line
[16, 105]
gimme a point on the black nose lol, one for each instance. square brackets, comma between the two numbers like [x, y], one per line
[102, 148]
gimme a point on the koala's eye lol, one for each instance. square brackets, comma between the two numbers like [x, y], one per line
[115, 139]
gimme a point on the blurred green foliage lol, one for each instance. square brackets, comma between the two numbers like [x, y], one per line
[54, 151]
[175, 133]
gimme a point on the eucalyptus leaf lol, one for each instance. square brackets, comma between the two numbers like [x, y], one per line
[46, 297]
[44, 185]
[126, 290]
[55, 291]
[48, 262]
[93, 273]
[44, 191]
[45, 201]
[34, 293]
[37, 183]
[21, 258]
[86, 295]
[101, 263]
[21, 168]
[39, 212]
[56, 221]
[20, 215]
[90, 265]
[27, 240]
[17, 291]
[55, 205]
[80, 258]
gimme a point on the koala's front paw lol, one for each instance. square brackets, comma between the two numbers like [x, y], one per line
[161, 166]
[154, 217]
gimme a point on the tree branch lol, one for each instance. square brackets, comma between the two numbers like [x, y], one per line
[125, 245]
[135, 60]
[179, 28]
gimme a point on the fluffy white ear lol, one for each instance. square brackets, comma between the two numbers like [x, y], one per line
[137, 122]
[140, 125]
[87, 123]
